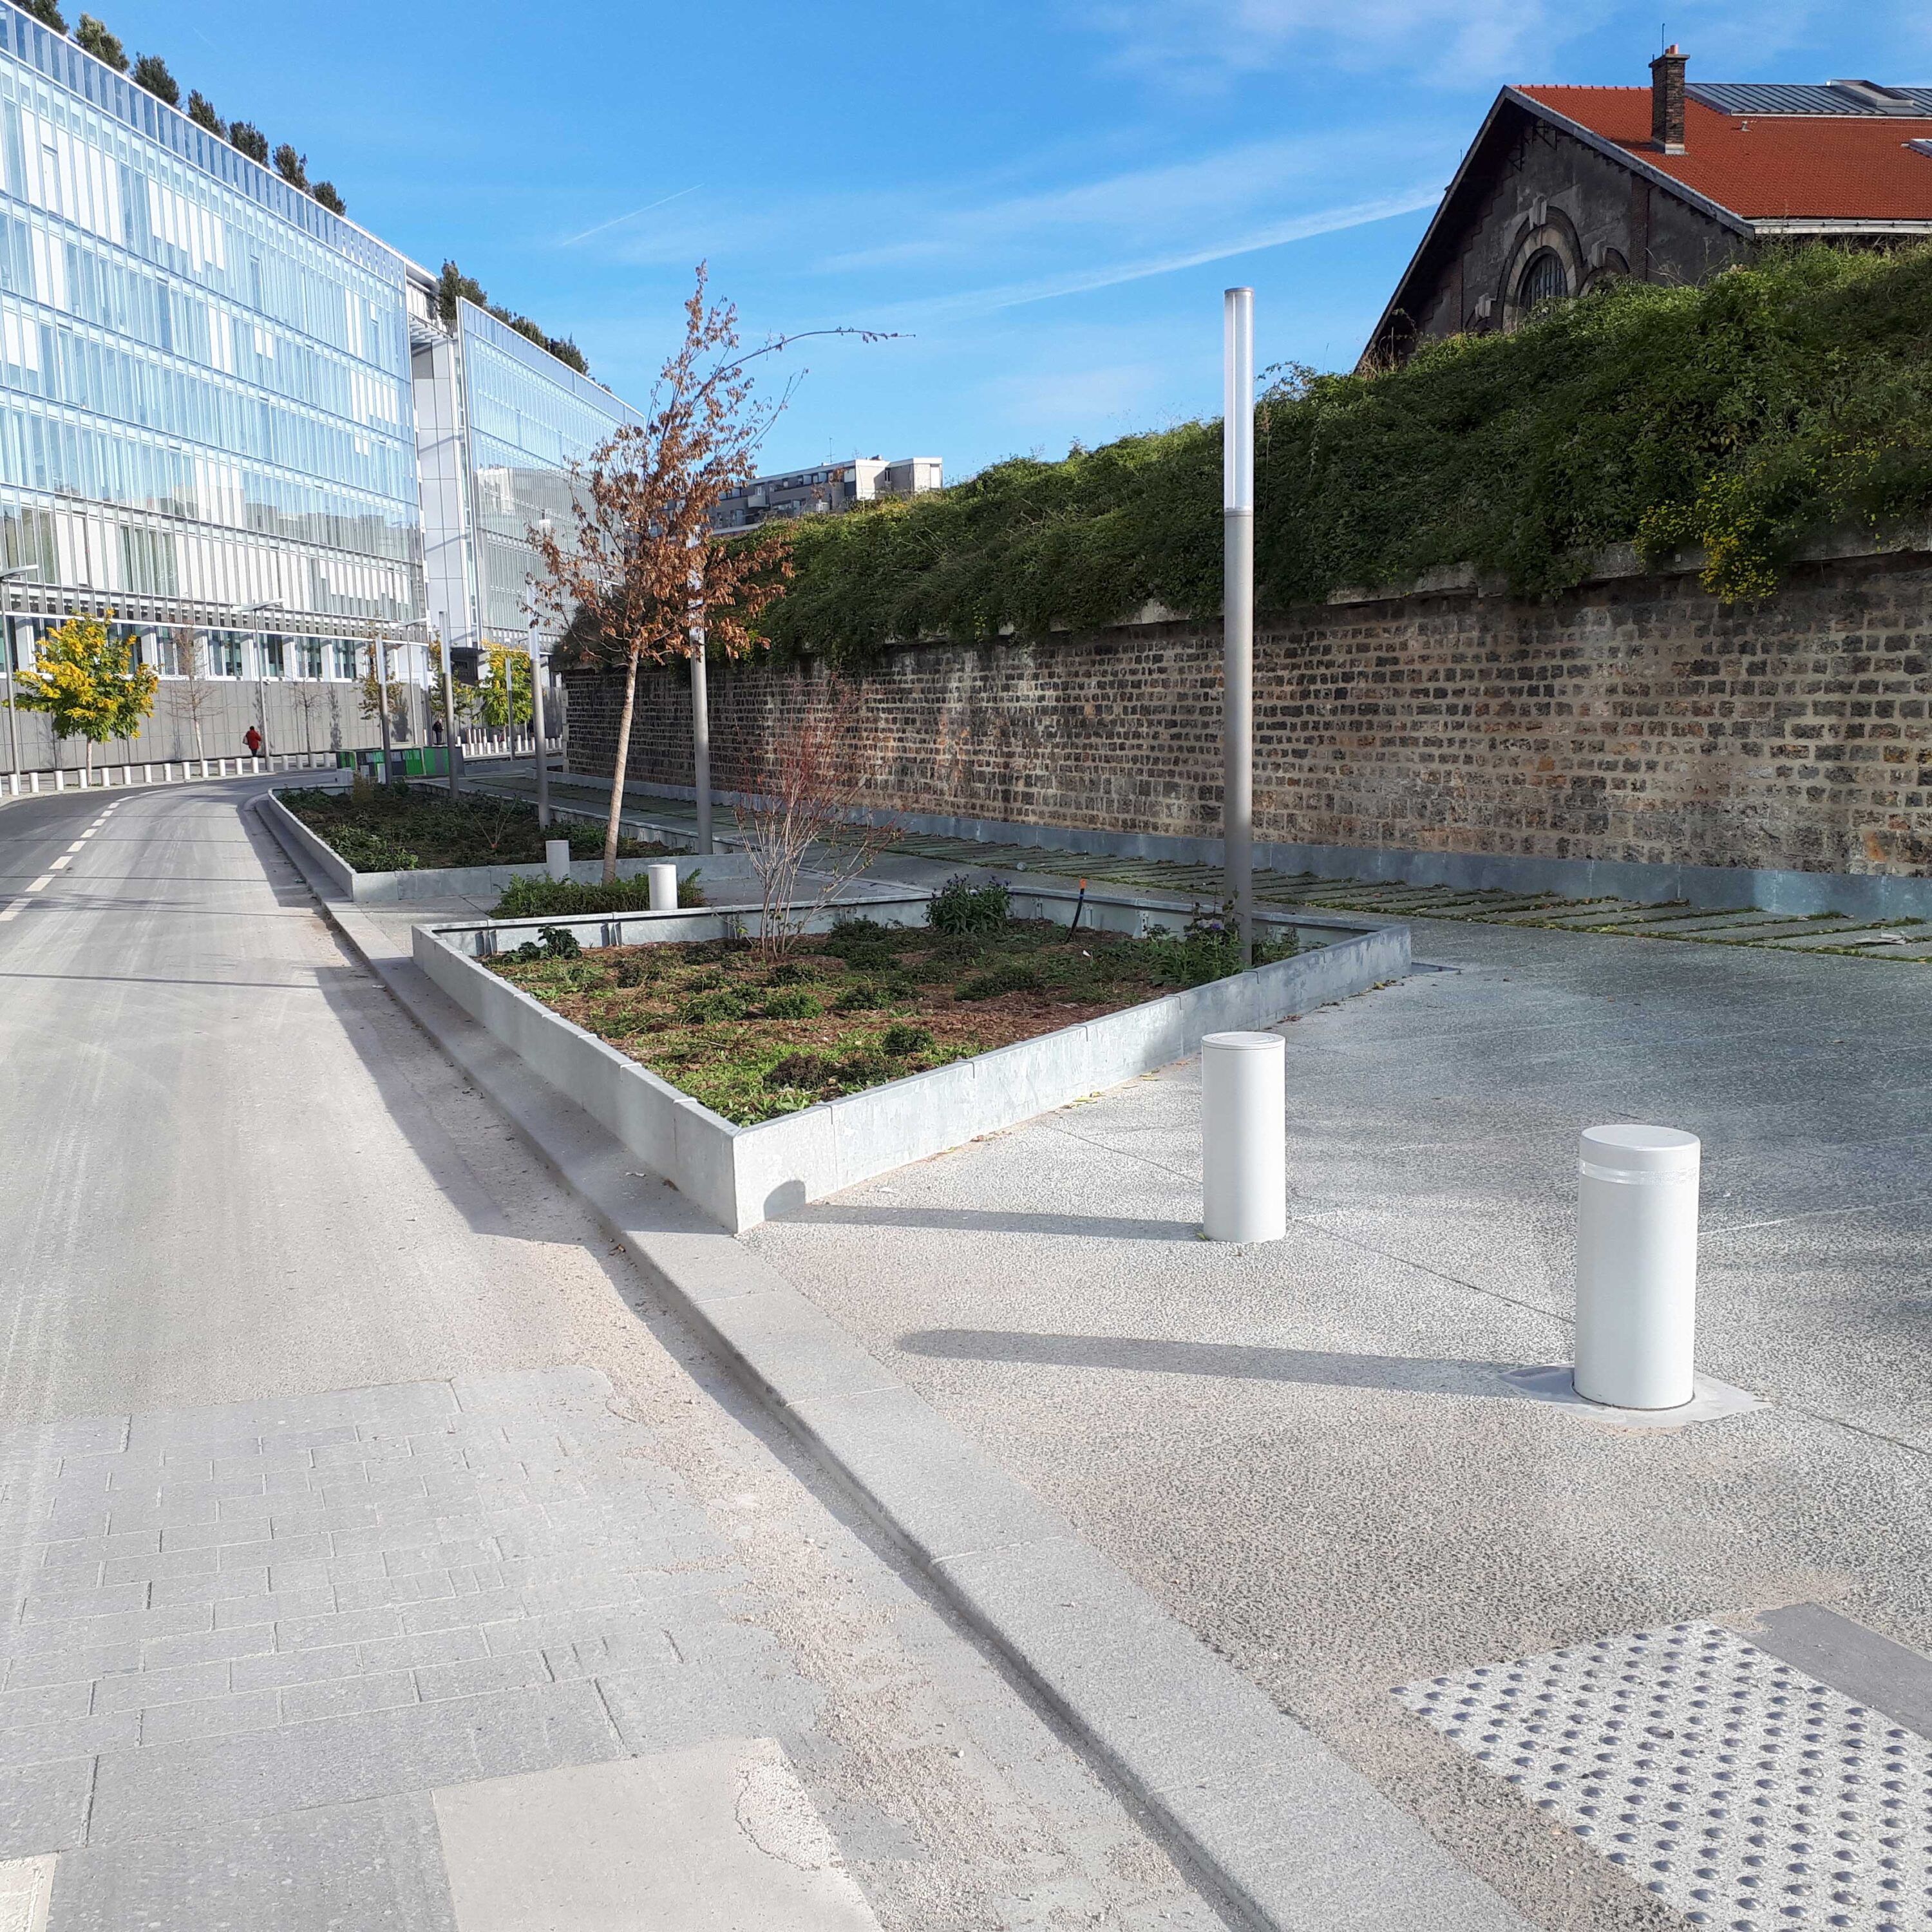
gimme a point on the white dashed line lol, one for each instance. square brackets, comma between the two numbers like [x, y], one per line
[40, 884]
[13, 911]
[77, 846]
[60, 864]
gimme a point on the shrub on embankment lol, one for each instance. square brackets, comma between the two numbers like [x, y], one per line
[1745, 416]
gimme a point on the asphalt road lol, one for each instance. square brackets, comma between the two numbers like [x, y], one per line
[344, 1470]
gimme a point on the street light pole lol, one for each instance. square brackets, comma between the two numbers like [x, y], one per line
[448, 707]
[537, 726]
[1238, 606]
[261, 678]
[7, 578]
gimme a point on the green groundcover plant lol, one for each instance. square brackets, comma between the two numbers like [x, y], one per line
[404, 828]
[752, 1038]
[1766, 406]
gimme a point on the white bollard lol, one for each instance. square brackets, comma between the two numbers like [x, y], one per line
[1636, 1267]
[60, 779]
[663, 876]
[557, 857]
[1243, 1151]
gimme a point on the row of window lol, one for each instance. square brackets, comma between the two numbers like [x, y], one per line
[179, 651]
[64, 156]
[63, 272]
[45, 448]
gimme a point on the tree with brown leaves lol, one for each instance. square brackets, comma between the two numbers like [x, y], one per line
[641, 571]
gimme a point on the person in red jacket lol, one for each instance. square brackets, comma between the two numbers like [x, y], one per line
[253, 742]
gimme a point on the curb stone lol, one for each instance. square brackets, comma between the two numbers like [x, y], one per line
[1293, 1838]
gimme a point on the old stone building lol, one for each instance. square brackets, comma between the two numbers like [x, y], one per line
[1565, 186]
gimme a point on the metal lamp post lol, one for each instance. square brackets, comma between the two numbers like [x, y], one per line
[536, 725]
[7, 577]
[261, 678]
[1237, 605]
[448, 705]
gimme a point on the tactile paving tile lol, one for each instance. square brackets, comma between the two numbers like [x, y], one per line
[1742, 1793]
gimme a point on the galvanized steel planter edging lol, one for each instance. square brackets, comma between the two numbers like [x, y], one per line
[465, 882]
[741, 1176]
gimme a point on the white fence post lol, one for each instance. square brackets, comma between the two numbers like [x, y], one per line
[1637, 1266]
[557, 857]
[1244, 1152]
[663, 876]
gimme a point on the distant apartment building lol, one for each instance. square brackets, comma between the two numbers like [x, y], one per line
[826, 490]
[240, 422]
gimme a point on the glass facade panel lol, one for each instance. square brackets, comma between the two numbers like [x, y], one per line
[204, 375]
[529, 418]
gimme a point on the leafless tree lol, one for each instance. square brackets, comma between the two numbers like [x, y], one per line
[192, 694]
[810, 807]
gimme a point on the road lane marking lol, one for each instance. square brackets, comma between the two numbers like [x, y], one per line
[61, 864]
[14, 909]
[78, 846]
[40, 884]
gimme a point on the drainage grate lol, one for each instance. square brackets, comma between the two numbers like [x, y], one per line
[1742, 1793]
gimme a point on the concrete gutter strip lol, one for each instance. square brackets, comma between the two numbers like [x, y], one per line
[1295, 1839]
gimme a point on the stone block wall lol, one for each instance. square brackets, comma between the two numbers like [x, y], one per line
[1636, 719]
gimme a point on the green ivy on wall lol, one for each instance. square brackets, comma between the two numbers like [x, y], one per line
[1742, 416]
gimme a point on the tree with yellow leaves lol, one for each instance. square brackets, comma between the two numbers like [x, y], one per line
[85, 682]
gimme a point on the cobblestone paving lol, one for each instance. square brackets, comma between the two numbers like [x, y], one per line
[246, 1643]
[1831, 933]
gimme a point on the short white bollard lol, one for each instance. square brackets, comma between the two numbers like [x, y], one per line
[1243, 1151]
[663, 876]
[60, 779]
[1636, 1267]
[557, 857]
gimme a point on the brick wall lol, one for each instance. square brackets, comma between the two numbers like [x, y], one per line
[1637, 719]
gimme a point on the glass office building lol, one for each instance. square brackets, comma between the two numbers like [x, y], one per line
[238, 421]
[501, 422]
[204, 398]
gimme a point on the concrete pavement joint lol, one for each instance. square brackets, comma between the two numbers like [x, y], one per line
[1219, 1767]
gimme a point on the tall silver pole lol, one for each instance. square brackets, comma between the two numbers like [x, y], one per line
[7, 656]
[536, 726]
[379, 651]
[700, 739]
[448, 710]
[1237, 605]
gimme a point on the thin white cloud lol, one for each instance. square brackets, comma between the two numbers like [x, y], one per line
[1194, 41]
[1050, 288]
[618, 221]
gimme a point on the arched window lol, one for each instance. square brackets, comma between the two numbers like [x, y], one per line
[1544, 277]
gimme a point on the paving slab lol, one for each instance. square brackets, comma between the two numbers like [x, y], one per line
[1303, 1449]
[388, 1472]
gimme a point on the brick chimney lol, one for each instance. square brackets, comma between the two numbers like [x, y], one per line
[1667, 100]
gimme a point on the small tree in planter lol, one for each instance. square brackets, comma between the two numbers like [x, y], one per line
[809, 804]
[641, 571]
[84, 680]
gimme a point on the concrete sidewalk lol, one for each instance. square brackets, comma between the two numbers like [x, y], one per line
[376, 1548]
[1319, 1455]
[1283, 1829]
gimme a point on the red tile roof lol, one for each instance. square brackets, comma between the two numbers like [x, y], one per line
[1766, 167]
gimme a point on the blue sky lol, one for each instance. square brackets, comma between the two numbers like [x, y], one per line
[1046, 198]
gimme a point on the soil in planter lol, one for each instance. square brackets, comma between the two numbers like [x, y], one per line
[753, 1038]
[406, 828]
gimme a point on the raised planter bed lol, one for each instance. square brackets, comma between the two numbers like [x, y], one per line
[742, 1175]
[464, 882]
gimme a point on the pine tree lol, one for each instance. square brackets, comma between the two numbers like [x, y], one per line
[95, 39]
[47, 14]
[250, 138]
[293, 167]
[201, 111]
[324, 192]
[151, 71]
